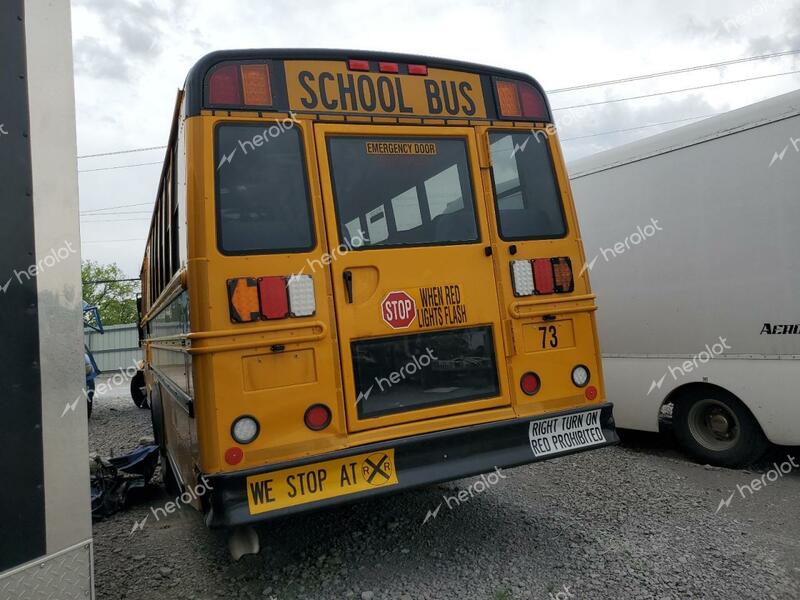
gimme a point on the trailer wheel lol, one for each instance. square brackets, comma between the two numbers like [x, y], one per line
[715, 427]
[139, 390]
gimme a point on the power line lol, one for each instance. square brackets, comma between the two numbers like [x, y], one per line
[581, 137]
[123, 152]
[111, 241]
[120, 167]
[114, 214]
[99, 281]
[689, 89]
[100, 210]
[554, 91]
[673, 72]
[140, 219]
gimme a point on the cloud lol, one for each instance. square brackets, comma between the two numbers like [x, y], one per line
[131, 34]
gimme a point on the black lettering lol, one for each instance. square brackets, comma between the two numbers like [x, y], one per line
[290, 483]
[303, 79]
[433, 96]
[323, 475]
[401, 104]
[450, 95]
[363, 94]
[323, 94]
[347, 90]
[766, 329]
[261, 492]
[386, 94]
[465, 87]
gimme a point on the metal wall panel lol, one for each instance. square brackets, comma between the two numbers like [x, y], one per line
[118, 348]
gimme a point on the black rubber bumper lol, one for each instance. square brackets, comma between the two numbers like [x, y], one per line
[419, 460]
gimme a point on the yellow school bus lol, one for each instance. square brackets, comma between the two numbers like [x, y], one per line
[363, 274]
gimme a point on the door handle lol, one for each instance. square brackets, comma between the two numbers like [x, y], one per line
[347, 275]
[487, 251]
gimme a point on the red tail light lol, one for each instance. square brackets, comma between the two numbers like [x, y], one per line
[317, 417]
[530, 383]
[273, 297]
[234, 455]
[591, 392]
[358, 65]
[223, 85]
[543, 276]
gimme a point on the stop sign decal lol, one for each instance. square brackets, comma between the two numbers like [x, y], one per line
[399, 310]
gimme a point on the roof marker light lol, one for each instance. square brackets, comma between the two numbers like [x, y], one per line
[358, 65]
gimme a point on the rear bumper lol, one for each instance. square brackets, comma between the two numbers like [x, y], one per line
[419, 460]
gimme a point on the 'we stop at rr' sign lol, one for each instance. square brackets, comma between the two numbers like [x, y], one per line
[399, 310]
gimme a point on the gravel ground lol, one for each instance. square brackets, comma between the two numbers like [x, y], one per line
[635, 521]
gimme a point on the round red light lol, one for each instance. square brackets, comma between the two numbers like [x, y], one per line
[530, 383]
[233, 456]
[591, 392]
[317, 417]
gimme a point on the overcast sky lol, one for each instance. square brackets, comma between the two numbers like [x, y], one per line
[132, 55]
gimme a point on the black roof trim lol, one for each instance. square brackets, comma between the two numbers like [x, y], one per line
[195, 80]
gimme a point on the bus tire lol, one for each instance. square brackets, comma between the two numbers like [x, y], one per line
[90, 388]
[157, 418]
[139, 390]
[716, 427]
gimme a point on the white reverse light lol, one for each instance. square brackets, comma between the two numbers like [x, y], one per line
[522, 272]
[301, 296]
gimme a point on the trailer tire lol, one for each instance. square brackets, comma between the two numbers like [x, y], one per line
[139, 390]
[717, 428]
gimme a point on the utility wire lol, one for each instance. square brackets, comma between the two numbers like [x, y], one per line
[581, 137]
[724, 63]
[122, 152]
[111, 241]
[95, 210]
[554, 91]
[120, 167]
[689, 89]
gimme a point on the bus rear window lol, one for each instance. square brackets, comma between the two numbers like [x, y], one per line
[262, 196]
[402, 191]
[528, 200]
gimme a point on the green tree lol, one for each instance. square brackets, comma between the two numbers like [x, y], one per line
[102, 288]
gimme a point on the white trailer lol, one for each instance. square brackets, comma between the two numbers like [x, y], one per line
[45, 522]
[693, 239]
